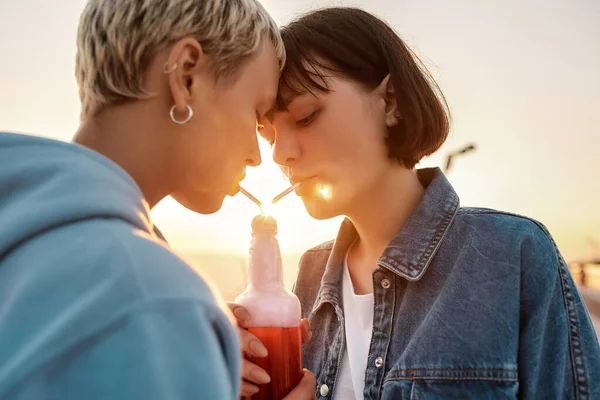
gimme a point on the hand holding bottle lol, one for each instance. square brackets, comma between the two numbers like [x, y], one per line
[252, 374]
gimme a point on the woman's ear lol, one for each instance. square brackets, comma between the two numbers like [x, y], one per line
[386, 91]
[186, 65]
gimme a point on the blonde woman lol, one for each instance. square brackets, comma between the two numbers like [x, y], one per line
[93, 304]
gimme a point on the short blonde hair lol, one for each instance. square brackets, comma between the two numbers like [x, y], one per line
[117, 41]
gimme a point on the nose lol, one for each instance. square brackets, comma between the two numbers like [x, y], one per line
[254, 159]
[286, 149]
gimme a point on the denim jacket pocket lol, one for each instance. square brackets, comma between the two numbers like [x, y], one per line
[446, 384]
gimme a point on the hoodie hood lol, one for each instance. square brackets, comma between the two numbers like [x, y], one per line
[45, 184]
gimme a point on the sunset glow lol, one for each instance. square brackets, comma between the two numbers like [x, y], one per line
[524, 163]
[268, 209]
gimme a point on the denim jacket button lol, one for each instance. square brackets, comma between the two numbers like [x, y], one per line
[324, 390]
[378, 362]
[385, 283]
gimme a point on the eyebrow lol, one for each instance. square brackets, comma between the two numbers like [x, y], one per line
[275, 108]
[284, 105]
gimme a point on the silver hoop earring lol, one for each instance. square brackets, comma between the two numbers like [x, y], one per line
[168, 70]
[185, 121]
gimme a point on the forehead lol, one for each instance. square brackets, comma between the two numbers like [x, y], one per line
[300, 81]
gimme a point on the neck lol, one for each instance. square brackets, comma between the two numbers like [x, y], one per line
[265, 269]
[378, 217]
[122, 134]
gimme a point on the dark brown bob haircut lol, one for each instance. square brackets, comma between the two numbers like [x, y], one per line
[354, 44]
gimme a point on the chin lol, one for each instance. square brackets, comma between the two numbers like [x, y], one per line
[202, 203]
[320, 209]
[206, 208]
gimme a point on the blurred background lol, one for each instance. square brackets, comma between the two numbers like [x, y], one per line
[521, 78]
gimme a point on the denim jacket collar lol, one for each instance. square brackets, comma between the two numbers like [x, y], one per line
[411, 251]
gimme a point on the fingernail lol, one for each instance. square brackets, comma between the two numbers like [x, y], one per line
[260, 376]
[258, 349]
[238, 312]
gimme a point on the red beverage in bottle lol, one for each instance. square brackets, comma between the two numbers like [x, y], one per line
[275, 312]
[283, 364]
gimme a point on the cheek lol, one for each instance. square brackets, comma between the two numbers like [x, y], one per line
[235, 129]
[356, 151]
[350, 137]
[233, 113]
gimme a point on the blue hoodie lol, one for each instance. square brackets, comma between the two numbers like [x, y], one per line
[93, 304]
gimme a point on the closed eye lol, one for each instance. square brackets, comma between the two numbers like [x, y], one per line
[307, 120]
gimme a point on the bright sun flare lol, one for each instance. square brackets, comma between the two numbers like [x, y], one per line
[324, 191]
[268, 209]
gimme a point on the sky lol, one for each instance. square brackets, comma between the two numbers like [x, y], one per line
[521, 79]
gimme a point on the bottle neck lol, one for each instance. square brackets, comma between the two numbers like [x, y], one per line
[265, 269]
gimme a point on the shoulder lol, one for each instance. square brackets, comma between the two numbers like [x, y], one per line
[90, 277]
[111, 265]
[502, 222]
[150, 264]
[527, 240]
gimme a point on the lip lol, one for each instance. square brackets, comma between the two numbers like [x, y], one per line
[307, 186]
[235, 187]
[296, 179]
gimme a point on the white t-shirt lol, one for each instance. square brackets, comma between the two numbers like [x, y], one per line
[358, 316]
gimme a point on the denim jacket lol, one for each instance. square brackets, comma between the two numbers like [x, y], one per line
[469, 304]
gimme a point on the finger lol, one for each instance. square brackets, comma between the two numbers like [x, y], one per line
[254, 374]
[248, 389]
[306, 389]
[305, 331]
[241, 314]
[251, 344]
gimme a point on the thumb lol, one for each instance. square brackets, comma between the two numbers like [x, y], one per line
[306, 332]
[306, 389]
